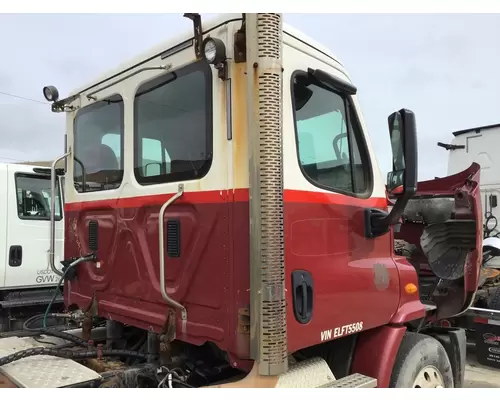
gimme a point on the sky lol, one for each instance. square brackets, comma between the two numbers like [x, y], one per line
[444, 67]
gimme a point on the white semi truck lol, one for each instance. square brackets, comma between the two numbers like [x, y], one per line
[27, 282]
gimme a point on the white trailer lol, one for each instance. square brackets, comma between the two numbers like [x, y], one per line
[27, 282]
[480, 145]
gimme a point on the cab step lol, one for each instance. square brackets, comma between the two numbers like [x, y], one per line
[42, 371]
[307, 374]
[315, 373]
[352, 381]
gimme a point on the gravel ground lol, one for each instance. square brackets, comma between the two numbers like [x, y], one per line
[479, 376]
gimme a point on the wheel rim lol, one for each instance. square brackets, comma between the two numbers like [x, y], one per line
[429, 377]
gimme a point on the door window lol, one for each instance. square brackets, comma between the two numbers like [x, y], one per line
[34, 197]
[330, 145]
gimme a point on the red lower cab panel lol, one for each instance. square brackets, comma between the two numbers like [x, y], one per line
[356, 283]
[324, 235]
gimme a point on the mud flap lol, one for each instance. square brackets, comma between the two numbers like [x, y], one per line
[454, 342]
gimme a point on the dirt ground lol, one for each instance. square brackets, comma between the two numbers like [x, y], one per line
[479, 376]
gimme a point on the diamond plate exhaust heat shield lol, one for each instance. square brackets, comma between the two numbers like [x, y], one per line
[267, 282]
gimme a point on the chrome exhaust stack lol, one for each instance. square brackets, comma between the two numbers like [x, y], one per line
[268, 333]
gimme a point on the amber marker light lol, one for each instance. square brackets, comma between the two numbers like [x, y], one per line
[411, 288]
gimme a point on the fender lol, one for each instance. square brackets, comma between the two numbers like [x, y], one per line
[410, 307]
[376, 353]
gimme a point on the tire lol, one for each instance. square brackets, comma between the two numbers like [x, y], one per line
[421, 362]
[493, 300]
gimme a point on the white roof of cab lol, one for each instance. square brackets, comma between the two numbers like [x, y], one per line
[187, 35]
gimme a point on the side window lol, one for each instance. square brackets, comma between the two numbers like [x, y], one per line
[173, 126]
[33, 197]
[98, 136]
[330, 148]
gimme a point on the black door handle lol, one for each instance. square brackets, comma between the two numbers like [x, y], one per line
[302, 289]
[304, 300]
[15, 256]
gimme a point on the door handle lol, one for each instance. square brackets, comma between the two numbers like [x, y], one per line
[15, 256]
[304, 300]
[302, 295]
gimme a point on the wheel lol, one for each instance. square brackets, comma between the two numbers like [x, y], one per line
[421, 362]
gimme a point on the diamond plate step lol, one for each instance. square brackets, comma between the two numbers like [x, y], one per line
[312, 373]
[352, 381]
[42, 371]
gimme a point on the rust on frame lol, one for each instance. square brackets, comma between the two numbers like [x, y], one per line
[6, 383]
[244, 321]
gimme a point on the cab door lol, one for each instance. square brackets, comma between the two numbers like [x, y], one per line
[28, 229]
[340, 281]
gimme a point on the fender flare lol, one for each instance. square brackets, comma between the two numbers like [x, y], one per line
[376, 352]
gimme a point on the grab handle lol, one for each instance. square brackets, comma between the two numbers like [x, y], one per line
[161, 226]
[53, 186]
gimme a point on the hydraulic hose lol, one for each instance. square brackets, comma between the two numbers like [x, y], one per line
[68, 267]
[59, 334]
[56, 292]
[38, 317]
[44, 351]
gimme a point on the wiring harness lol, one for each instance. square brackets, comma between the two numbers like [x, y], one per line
[74, 355]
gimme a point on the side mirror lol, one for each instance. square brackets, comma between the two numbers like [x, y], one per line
[403, 134]
[402, 180]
